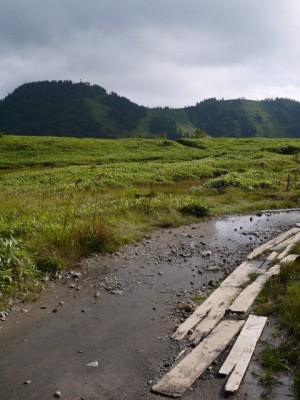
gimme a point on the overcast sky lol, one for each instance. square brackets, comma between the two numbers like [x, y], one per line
[155, 52]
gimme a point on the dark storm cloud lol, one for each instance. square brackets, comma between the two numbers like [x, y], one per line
[158, 52]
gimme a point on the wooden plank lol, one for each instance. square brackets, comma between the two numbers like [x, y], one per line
[231, 286]
[208, 323]
[247, 297]
[289, 242]
[278, 239]
[265, 265]
[242, 351]
[272, 256]
[252, 328]
[286, 251]
[185, 373]
[289, 258]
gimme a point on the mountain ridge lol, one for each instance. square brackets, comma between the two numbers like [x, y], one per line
[64, 108]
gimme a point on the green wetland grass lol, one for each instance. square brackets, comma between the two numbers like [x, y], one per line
[281, 298]
[63, 198]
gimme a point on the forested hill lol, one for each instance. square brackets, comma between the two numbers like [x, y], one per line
[63, 108]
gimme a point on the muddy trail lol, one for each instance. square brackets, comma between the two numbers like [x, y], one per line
[102, 331]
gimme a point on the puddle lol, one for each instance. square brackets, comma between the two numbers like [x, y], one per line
[243, 229]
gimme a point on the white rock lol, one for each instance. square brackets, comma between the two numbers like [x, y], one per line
[207, 253]
[92, 364]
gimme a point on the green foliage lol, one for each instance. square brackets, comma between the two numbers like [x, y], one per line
[163, 125]
[199, 133]
[281, 297]
[198, 298]
[196, 209]
[275, 358]
[287, 113]
[16, 268]
[13, 265]
[63, 198]
[63, 108]
[222, 118]
[288, 150]
[126, 113]
[249, 180]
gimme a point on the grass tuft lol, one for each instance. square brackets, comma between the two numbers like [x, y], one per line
[281, 297]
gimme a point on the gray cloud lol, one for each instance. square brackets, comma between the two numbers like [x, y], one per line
[155, 52]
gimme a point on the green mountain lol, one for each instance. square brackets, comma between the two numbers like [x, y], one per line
[64, 108]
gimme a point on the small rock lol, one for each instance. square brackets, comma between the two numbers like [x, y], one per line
[207, 253]
[27, 382]
[188, 308]
[76, 274]
[57, 395]
[117, 292]
[213, 268]
[92, 364]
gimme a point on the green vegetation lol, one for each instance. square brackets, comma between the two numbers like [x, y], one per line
[281, 298]
[64, 198]
[63, 108]
[198, 298]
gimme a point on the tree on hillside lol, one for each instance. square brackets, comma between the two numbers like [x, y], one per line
[199, 133]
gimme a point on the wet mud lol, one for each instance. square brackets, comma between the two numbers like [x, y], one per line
[120, 310]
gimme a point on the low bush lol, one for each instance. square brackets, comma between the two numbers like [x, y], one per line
[195, 209]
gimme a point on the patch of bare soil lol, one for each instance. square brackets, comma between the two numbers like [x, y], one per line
[103, 331]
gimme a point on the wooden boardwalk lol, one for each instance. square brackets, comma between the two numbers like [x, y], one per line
[211, 332]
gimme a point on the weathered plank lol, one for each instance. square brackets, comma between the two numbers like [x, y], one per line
[247, 297]
[286, 251]
[242, 351]
[210, 321]
[184, 374]
[253, 327]
[265, 265]
[278, 239]
[289, 258]
[228, 289]
[290, 242]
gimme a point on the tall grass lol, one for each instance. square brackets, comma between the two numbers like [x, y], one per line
[62, 199]
[281, 298]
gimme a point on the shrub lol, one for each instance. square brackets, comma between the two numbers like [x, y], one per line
[15, 265]
[195, 209]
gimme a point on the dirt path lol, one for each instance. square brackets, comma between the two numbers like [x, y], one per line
[120, 312]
